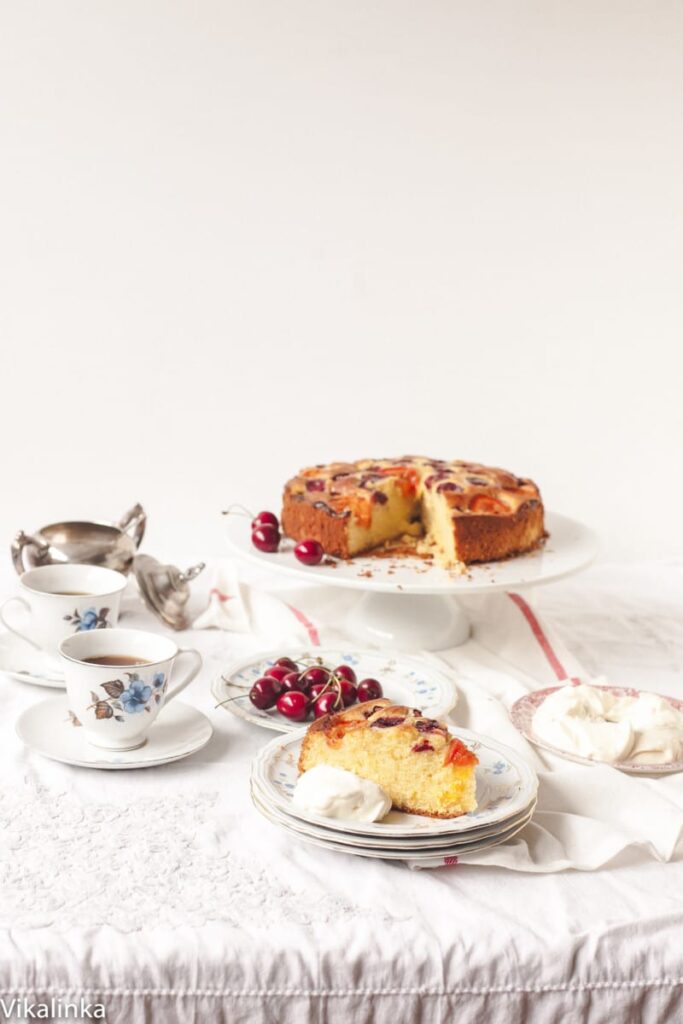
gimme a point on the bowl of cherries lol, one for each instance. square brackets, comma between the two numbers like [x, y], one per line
[287, 692]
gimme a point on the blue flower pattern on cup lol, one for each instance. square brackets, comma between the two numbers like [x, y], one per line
[91, 618]
[88, 620]
[126, 698]
[136, 696]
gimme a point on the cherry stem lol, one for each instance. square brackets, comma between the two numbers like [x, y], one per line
[335, 681]
[238, 696]
[333, 678]
[237, 510]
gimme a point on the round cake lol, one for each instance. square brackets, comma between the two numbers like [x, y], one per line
[454, 511]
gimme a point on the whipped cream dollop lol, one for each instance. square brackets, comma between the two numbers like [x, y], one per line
[591, 722]
[336, 793]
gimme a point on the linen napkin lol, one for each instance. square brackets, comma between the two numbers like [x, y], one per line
[226, 608]
[242, 618]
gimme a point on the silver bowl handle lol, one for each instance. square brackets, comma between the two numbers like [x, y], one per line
[20, 543]
[192, 572]
[135, 519]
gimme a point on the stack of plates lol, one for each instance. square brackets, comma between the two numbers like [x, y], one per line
[506, 797]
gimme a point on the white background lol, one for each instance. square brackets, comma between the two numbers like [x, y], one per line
[239, 237]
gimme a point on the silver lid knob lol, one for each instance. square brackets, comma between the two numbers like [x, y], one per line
[165, 588]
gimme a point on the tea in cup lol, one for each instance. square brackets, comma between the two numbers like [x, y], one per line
[59, 600]
[117, 682]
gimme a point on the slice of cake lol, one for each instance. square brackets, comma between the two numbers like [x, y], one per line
[466, 512]
[421, 767]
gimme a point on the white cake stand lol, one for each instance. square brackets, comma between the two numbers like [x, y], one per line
[408, 603]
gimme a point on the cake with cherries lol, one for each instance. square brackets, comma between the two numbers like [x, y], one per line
[416, 761]
[461, 512]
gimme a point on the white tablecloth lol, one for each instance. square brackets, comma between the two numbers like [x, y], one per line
[163, 894]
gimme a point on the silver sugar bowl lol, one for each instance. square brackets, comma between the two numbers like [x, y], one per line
[112, 545]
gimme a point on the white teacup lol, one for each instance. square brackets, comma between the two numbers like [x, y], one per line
[117, 703]
[59, 600]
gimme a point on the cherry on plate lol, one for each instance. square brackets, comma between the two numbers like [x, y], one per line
[346, 672]
[369, 689]
[316, 674]
[315, 689]
[293, 681]
[293, 705]
[310, 552]
[348, 692]
[265, 692]
[288, 663]
[265, 519]
[266, 538]
[277, 672]
[325, 705]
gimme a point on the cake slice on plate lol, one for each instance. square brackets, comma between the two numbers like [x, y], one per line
[416, 761]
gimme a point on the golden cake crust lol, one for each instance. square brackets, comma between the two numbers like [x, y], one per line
[493, 514]
[301, 520]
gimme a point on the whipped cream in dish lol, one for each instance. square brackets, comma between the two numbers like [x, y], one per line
[336, 793]
[592, 722]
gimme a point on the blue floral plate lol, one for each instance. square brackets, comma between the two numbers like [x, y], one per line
[506, 787]
[404, 680]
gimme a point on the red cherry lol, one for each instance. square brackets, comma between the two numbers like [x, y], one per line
[369, 689]
[288, 663]
[316, 689]
[325, 704]
[277, 672]
[316, 674]
[293, 681]
[266, 538]
[265, 692]
[265, 519]
[293, 705]
[348, 692]
[309, 552]
[346, 672]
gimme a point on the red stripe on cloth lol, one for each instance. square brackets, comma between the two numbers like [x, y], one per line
[450, 862]
[313, 634]
[540, 636]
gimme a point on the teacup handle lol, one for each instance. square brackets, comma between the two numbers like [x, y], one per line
[194, 671]
[11, 628]
[135, 519]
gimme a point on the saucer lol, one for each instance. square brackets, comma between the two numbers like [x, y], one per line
[19, 660]
[179, 731]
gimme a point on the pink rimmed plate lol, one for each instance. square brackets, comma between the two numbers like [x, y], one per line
[522, 714]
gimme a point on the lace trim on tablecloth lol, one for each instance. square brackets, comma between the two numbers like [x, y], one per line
[166, 860]
[598, 985]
